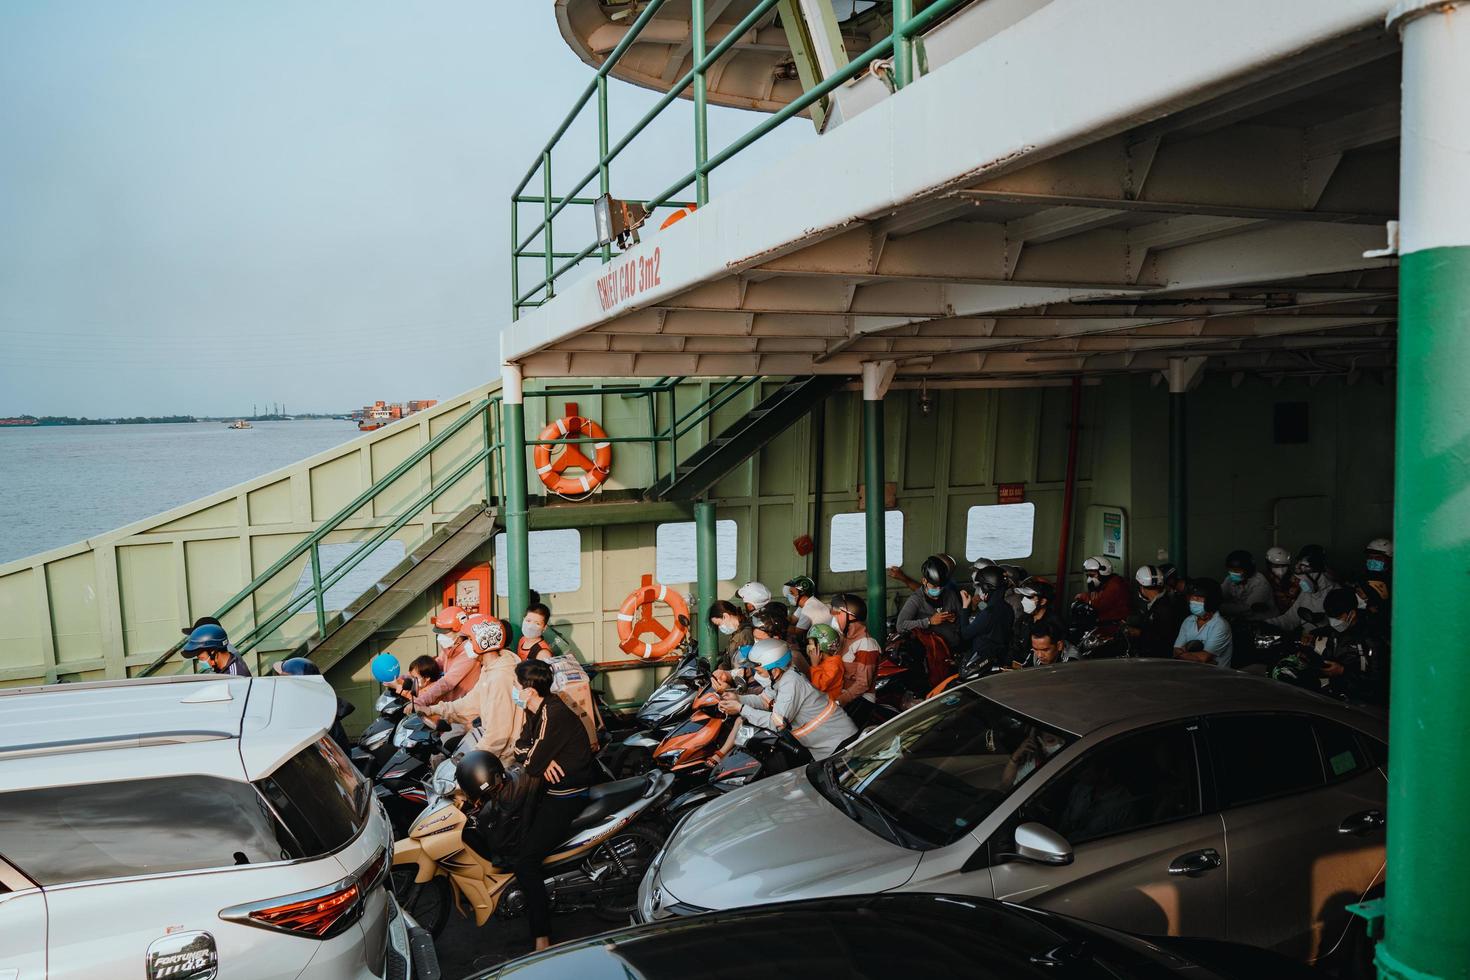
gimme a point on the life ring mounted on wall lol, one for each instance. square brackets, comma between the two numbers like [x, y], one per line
[594, 469]
[636, 620]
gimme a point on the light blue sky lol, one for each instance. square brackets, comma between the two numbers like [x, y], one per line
[208, 203]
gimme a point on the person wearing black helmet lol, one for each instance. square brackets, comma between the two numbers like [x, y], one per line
[1034, 597]
[1245, 594]
[209, 644]
[553, 748]
[1315, 582]
[860, 655]
[986, 631]
[934, 606]
[1205, 636]
[497, 804]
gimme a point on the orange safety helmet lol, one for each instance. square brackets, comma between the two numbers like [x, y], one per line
[486, 633]
[449, 619]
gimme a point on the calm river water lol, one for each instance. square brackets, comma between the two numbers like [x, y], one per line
[64, 483]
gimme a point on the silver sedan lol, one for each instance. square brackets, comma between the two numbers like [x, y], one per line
[1158, 797]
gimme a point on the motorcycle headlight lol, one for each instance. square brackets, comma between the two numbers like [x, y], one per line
[376, 739]
[444, 781]
[669, 758]
[744, 733]
[402, 735]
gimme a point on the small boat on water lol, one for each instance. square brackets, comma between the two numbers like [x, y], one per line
[241, 424]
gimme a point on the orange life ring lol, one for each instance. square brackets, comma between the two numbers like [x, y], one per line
[635, 619]
[594, 471]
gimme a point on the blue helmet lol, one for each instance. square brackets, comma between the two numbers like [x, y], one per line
[204, 638]
[299, 667]
[385, 668]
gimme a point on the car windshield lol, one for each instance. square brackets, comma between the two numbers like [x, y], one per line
[934, 772]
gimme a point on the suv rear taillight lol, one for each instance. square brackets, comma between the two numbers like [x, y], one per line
[321, 913]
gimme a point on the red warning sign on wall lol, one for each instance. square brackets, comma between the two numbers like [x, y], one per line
[1012, 493]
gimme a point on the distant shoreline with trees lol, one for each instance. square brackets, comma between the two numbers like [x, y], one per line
[37, 421]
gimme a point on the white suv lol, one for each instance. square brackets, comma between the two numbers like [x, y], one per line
[186, 827]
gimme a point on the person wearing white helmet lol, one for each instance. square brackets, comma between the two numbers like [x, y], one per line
[1314, 581]
[1378, 563]
[1160, 614]
[1284, 589]
[1105, 592]
[788, 701]
[754, 595]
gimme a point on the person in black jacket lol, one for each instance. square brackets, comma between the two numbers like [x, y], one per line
[1155, 623]
[553, 748]
[985, 631]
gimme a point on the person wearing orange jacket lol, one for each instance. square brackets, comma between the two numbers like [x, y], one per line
[1106, 592]
[491, 701]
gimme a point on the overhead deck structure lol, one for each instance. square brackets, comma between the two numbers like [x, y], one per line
[1023, 191]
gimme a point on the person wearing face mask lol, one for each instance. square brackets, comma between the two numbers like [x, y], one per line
[860, 654]
[1340, 656]
[754, 595]
[935, 606]
[552, 748]
[1034, 597]
[490, 700]
[801, 596]
[771, 622]
[532, 646]
[1378, 574]
[788, 701]
[209, 645]
[986, 632]
[734, 629]
[1279, 576]
[1204, 636]
[1245, 594]
[1160, 614]
[459, 671]
[1315, 582]
[1106, 592]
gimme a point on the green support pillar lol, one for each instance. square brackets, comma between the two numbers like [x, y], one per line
[1180, 375]
[517, 535]
[1427, 901]
[708, 575]
[1178, 488]
[873, 387]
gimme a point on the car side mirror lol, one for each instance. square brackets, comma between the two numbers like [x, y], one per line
[1040, 844]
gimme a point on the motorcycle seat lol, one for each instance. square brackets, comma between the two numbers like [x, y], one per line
[608, 798]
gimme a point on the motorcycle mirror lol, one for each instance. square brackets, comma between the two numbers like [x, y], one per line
[442, 727]
[684, 621]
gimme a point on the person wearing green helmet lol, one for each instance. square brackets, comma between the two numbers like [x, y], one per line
[801, 596]
[824, 649]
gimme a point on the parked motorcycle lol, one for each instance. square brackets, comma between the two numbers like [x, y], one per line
[913, 663]
[669, 706]
[612, 843]
[374, 746]
[755, 754]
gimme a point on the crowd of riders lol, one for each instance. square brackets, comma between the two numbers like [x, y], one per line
[810, 667]
[1294, 618]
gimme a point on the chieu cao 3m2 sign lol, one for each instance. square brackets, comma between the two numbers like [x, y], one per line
[622, 283]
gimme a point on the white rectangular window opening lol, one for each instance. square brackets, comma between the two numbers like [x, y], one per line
[999, 531]
[364, 575]
[675, 559]
[848, 547]
[556, 561]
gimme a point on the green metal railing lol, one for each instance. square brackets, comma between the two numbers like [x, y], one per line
[899, 44]
[491, 456]
[310, 546]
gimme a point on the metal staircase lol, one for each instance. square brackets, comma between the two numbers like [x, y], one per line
[772, 416]
[405, 582]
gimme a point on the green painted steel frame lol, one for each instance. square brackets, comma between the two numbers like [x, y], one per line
[899, 43]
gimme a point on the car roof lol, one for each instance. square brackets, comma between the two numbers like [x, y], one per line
[918, 932]
[1083, 697]
[158, 726]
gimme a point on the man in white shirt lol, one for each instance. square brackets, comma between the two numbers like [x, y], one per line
[801, 596]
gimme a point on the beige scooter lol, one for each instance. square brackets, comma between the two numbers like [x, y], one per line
[612, 843]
